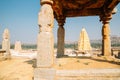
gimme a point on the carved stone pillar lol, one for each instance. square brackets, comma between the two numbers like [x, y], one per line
[106, 42]
[6, 44]
[45, 44]
[60, 36]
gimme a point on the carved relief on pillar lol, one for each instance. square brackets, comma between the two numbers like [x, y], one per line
[46, 18]
[45, 43]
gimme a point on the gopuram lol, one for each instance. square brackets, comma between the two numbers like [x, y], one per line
[6, 44]
[60, 10]
[84, 42]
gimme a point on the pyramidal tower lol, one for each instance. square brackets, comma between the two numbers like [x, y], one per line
[84, 42]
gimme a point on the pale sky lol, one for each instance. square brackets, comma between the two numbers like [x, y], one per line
[21, 17]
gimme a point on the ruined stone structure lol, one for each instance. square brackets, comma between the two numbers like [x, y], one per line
[60, 10]
[45, 43]
[74, 8]
[18, 46]
[6, 43]
[84, 42]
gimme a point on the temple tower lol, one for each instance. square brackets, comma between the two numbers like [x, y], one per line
[84, 42]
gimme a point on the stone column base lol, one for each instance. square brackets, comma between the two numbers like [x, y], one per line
[44, 74]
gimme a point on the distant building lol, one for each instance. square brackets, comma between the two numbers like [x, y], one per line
[18, 46]
[84, 42]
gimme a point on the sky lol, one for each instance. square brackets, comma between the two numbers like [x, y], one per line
[21, 18]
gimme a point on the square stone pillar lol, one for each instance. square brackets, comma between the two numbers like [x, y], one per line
[60, 36]
[106, 43]
[45, 45]
[60, 41]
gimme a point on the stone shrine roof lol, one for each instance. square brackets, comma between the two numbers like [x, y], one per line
[74, 8]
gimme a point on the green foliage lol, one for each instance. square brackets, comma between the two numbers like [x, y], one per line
[25, 46]
[115, 45]
[29, 46]
[71, 45]
[96, 45]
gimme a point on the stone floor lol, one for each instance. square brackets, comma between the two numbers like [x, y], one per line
[68, 68]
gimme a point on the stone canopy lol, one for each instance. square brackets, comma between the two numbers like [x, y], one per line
[74, 8]
[60, 10]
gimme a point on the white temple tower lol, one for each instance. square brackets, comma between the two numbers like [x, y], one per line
[84, 42]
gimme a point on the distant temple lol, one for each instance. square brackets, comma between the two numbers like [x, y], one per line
[84, 42]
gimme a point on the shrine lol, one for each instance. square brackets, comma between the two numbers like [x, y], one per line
[60, 10]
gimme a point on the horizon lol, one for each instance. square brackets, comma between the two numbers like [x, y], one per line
[21, 18]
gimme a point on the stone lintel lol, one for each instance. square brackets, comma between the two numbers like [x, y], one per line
[84, 12]
[75, 8]
[44, 74]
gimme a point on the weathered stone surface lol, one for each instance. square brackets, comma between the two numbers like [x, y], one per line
[44, 74]
[45, 57]
[106, 42]
[84, 42]
[18, 46]
[45, 43]
[6, 43]
[89, 74]
[74, 8]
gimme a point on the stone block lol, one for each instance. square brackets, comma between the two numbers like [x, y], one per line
[44, 74]
[45, 56]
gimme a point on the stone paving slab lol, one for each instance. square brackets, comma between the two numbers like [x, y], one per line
[90, 72]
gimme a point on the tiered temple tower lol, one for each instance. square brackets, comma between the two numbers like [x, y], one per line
[84, 42]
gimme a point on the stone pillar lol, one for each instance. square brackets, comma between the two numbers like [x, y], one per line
[6, 43]
[106, 42]
[60, 36]
[18, 47]
[45, 45]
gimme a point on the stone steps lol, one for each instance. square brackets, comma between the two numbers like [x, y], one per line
[89, 74]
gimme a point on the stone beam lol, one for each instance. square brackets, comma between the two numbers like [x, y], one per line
[58, 8]
[113, 4]
[89, 3]
[80, 12]
[109, 6]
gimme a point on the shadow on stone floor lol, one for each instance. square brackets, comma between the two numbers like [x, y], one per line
[31, 62]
